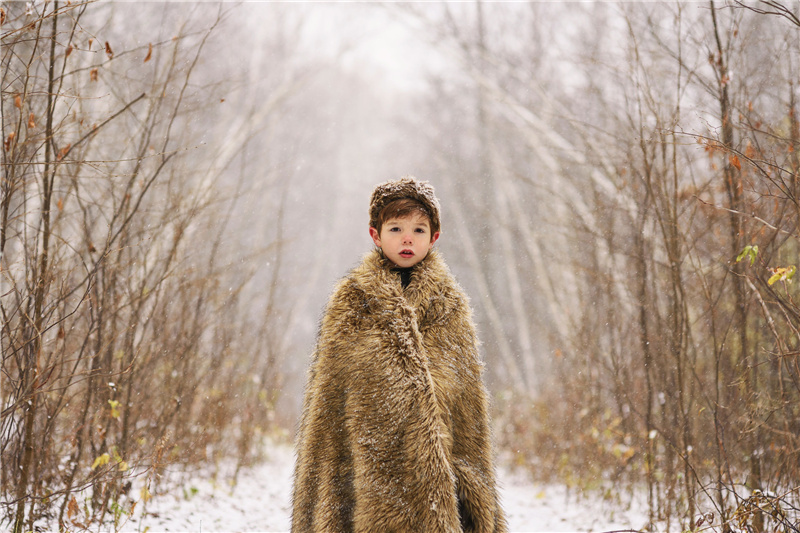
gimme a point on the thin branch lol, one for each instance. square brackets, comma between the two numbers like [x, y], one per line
[772, 8]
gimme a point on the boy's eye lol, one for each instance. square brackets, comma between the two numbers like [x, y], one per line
[394, 229]
[420, 230]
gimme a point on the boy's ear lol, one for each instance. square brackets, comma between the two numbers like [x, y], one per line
[376, 236]
[434, 238]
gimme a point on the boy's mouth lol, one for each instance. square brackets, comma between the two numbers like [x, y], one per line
[406, 254]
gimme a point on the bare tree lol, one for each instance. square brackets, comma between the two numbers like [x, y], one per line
[652, 145]
[123, 321]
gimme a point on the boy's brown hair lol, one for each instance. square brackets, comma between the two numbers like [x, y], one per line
[402, 208]
[400, 198]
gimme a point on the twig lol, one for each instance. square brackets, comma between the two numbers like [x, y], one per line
[754, 217]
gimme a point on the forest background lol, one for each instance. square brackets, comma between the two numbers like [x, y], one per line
[183, 182]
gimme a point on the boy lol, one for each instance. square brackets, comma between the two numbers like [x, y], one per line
[394, 435]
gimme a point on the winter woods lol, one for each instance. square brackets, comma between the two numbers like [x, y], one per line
[181, 185]
[640, 190]
[123, 327]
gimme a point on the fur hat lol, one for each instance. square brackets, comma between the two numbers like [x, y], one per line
[405, 187]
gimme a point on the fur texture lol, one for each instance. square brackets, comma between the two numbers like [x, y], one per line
[395, 434]
[405, 187]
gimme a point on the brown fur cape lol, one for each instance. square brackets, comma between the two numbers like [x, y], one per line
[394, 435]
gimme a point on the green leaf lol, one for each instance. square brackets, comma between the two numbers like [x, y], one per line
[749, 252]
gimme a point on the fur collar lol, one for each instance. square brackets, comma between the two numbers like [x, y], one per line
[433, 292]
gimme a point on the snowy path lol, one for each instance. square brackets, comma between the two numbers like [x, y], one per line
[260, 502]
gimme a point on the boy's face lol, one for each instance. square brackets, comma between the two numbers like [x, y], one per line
[405, 241]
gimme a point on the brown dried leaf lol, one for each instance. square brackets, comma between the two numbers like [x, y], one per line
[60, 205]
[73, 513]
[2, 16]
[149, 53]
[9, 142]
[93, 74]
[735, 162]
[69, 51]
[72, 508]
[63, 152]
[31, 121]
[17, 101]
[109, 52]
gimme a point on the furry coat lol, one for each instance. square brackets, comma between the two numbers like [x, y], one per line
[394, 435]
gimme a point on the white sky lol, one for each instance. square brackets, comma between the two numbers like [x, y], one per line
[378, 41]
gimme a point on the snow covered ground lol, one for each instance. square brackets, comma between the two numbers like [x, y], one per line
[260, 502]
